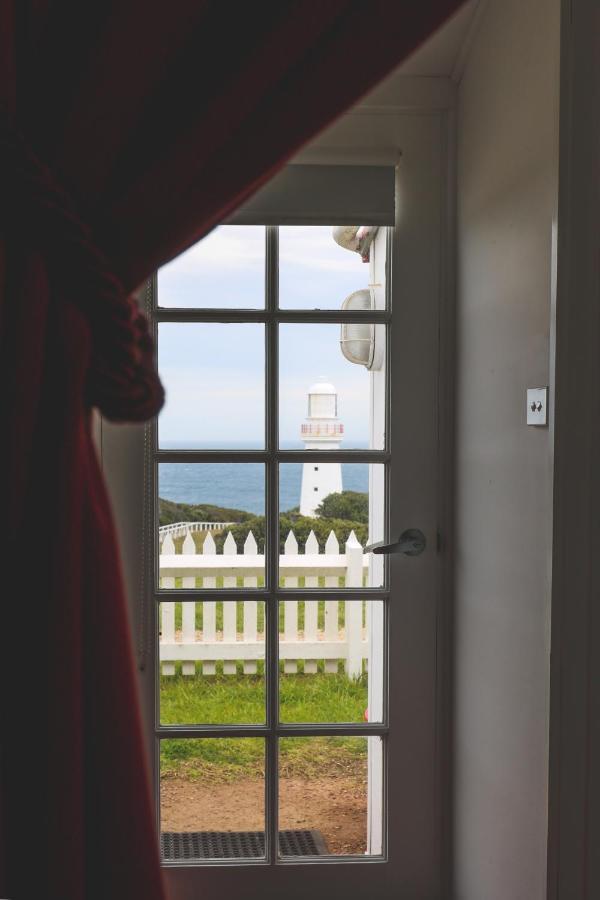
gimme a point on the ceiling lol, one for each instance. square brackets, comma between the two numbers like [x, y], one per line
[441, 53]
[421, 81]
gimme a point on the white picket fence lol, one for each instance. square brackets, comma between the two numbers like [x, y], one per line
[204, 648]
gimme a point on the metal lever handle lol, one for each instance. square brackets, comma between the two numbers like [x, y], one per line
[411, 542]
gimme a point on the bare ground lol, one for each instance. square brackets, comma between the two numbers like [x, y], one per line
[337, 807]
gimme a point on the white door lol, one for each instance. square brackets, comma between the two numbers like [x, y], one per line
[297, 677]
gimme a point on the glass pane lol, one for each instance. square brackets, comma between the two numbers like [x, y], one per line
[326, 401]
[314, 271]
[212, 662]
[225, 270]
[331, 787]
[331, 661]
[211, 525]
[329, 512]
[214, 378]
[212, 794]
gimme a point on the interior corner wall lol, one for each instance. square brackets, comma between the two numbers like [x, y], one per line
[507, 126]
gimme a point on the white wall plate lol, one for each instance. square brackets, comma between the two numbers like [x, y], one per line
[537, 406]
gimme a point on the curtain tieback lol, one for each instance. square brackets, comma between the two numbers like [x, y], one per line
[122, 380]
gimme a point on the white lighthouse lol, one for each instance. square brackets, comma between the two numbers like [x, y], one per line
[321, 431]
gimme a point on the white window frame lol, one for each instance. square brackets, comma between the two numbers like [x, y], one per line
[272, 594]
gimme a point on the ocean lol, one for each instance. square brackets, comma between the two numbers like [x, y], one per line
[242, 485]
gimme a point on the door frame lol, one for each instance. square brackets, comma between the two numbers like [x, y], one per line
[424, 296]
[574, 740]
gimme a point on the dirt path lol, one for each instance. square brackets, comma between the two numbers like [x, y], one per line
[337, 807]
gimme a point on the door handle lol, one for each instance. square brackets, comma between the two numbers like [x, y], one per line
[411, 542]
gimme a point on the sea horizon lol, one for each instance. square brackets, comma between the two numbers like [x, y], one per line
[240, 485]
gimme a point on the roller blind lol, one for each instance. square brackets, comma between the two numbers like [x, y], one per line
[323, 194]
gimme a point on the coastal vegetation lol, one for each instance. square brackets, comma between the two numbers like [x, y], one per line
[341, 513]
[170, 512]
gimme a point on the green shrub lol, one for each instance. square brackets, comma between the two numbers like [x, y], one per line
[340, 513]
[350, 505]
[300, 525]
[170, 512]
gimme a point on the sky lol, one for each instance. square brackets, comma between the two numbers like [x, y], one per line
[214, 372]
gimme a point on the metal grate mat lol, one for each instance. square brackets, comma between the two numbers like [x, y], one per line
[181, 845]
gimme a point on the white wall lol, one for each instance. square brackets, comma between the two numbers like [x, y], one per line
[507, 125]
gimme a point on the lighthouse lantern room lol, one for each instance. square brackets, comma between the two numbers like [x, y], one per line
[321, 430]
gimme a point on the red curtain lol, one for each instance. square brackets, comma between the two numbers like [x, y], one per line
[127, 130]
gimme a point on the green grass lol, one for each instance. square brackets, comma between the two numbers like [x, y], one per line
[240, 700]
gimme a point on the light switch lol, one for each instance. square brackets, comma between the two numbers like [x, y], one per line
[537, 406]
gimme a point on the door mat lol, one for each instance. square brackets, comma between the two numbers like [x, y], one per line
[180, 845]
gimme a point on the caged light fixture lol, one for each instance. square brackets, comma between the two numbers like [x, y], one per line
[357, 339]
